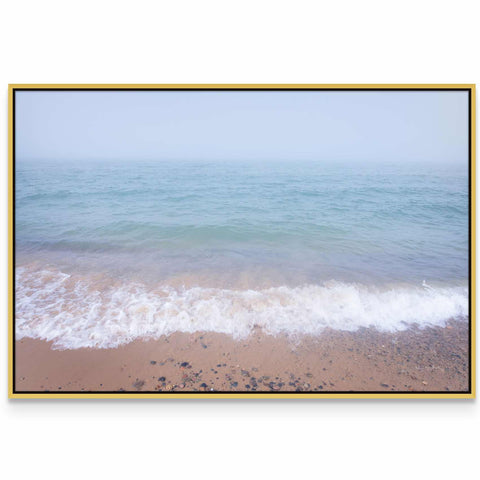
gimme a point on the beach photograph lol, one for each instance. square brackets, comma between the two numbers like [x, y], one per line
[241, 241]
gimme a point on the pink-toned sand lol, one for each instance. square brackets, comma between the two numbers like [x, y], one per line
[433, 359]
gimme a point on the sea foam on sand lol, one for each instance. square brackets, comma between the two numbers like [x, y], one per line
[82, 311]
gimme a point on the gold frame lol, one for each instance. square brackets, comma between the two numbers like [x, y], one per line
[426, 395]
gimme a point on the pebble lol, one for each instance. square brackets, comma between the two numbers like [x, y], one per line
[161, 379]
[153, 362]
[184, 364]
[139, 384]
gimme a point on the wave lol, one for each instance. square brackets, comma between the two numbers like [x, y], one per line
[97, 312]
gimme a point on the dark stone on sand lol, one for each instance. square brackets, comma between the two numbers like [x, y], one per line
[234, 384]
[184, 364]
[204, 385]
[161, 379]
[153, 362]
[383, 385]
[138, 384]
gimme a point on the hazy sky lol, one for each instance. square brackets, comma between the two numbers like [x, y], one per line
[367, 125]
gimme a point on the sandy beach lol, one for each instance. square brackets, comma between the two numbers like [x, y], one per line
[427, 360]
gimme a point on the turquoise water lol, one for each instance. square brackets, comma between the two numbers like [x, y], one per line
[202, 230]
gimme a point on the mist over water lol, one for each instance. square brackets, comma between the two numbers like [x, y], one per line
[111, 251]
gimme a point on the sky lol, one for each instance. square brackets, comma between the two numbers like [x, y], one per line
[242, 125]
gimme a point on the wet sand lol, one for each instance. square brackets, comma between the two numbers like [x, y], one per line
[431, 359]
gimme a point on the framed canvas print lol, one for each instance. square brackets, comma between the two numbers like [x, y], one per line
[254, 241]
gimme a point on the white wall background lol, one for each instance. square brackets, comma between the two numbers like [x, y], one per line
[258, 41]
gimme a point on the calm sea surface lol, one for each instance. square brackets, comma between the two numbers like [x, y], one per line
[110, 251]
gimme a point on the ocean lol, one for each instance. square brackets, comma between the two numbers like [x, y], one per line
[108, 251]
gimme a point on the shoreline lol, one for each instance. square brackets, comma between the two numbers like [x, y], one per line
[102, 311]
[414, 360]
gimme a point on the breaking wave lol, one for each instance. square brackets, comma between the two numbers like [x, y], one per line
[92, 311]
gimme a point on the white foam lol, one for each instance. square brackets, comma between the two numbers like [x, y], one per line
[81, 312]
